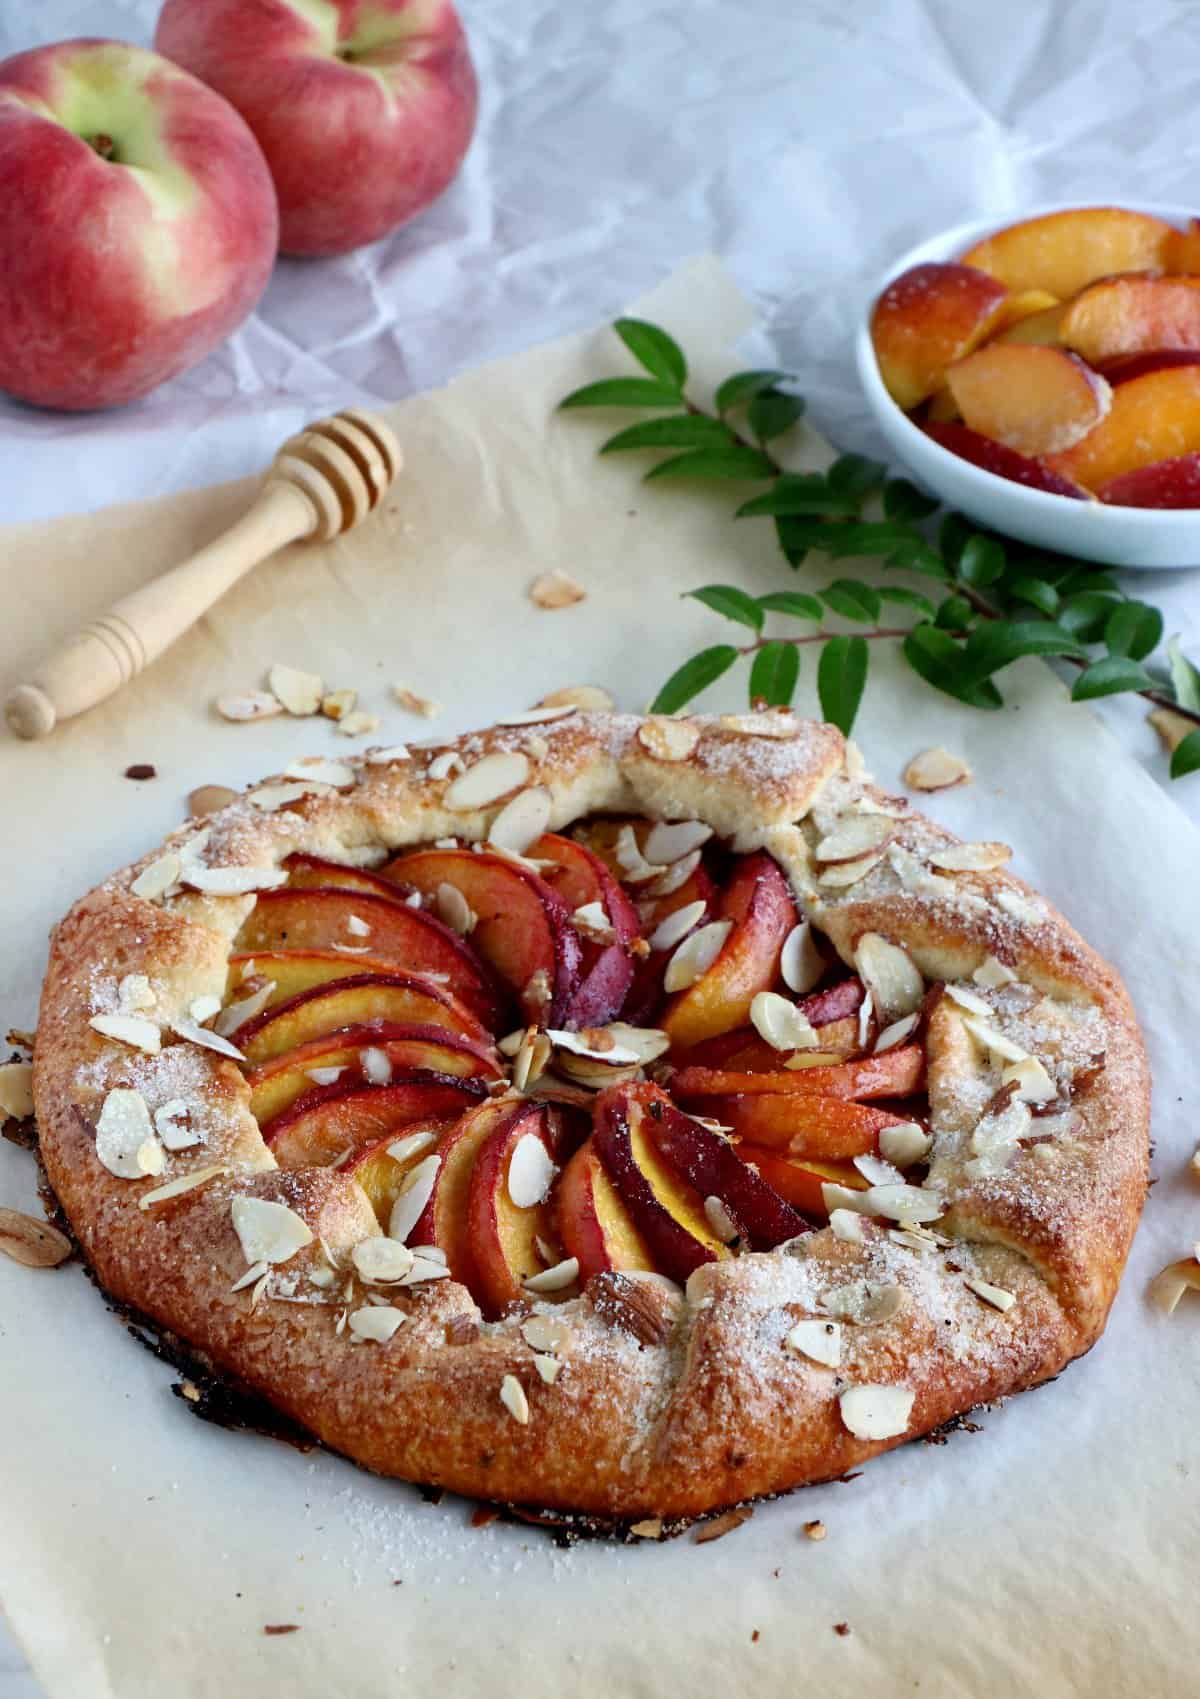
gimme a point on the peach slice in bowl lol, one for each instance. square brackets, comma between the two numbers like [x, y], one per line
[1064, 498]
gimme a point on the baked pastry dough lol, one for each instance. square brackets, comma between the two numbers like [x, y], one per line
[626, 1396]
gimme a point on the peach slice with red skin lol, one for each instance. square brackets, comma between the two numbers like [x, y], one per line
[1043, 329]
[759, 903]
[668, 1213]
[522, 927]
[1034, 400]
[324, 1008]
[1133, 315]
[803, 1123]
[1155, 417]
[646, 995]
[1166, 483]
[382, 1175]
[1025, 304]
[1062, 252]
[712, 1168]
[799, 1180]
[305, 871]
[278, 1082]
[594, 1225]
[897, 1073]
[1004, 462]
[1128, 366]
[579, 877]
[928, 317]
[1181, 251]
[325, 1122]
[319, 918]
[445, 1220]
[504, 1238]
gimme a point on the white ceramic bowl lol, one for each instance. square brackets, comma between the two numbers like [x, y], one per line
[1118, 536]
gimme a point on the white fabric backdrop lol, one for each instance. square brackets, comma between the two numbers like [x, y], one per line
[806, 141]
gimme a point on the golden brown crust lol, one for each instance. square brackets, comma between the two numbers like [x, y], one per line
[715, 1408]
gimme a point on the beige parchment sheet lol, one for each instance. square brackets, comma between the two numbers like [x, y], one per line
[142, 1553]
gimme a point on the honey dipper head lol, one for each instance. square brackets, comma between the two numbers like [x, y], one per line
[344, 464]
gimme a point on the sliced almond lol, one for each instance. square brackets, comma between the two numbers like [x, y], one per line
[532, 1059]
[669, 841]
[591, 922]
[209, 799]
[411, 1145]
[993, 1040]
[780, 1023]
[647, 1043]
[512, 1396]
[970, 858]
[905, 1145]
[206, 1039]
[530, 1172]
[126, 1142]
[876, 1171]
[267, 1231]
[202, 1009]
[358, 724]
[245, 1009]
[32, 1242]
[232, 881]
[16, 1091]
[270, 798]
[414, 704]
[971, 1001]
[1021, 907]
[454, 909]
[182, 1183]
[249, 705]
[992, 974]
[414, 1195]
[847, 873]
[174, 1125]
[800, 963]
[134, 1030]
[1033, 1083]
[384, 757]
[300, 692]
[668, 740]
[319, 771]
[876, 1412]
[866, 1016]
[545, 715]
[491, 777]
[855, 835]
[847, 1226]
[891, 976]
[589, 697]
[936, 770]
[554, 1279]
[522, 821]
[376, 1065]
[546, 1332]
[674, 877]
[897, 1032]
[997, 1296]
[720, 1220]
[156, 879]
[382, 1262]
[1167, 1288]
[633, 864]
[696, 955]
[818, 1340]
[376, 1323]
[548, 1368]
[338, 703]
[555, 590]
[675, 928]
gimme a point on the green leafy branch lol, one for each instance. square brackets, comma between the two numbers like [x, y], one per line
[990, 600]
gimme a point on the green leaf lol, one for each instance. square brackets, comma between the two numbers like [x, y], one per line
[1035, 591]
[866, 537]
[794, 537]
[905, 598]
[801, 493]
[1110, 676]
[841, 676]
[1085, 579]
[624, 392]
[953, 535]
[954, 613]
[916, 555]
[744, 386]
[852, 600]
[1184, 677]
[937, 658]
[1186, 758]
[1086, 615]
[733, 603]
[854, 477]
[680, 430]
[1133, 629]
[793, 602]
[903, 500]
[997, 642]
[772, 413]
[693, 677]
[982, 561]
[774, 673]
[716, 462]
[652, 348]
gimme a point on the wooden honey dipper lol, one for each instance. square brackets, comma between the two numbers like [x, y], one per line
[321, 483]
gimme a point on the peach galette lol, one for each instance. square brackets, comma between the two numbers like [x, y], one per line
[607, 1115]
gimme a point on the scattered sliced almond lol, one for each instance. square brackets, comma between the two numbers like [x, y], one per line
[512, 1396]
[647, 1043]
[383, 757]
[376, 1323]
[1171, 727]
[970, 858]
[877, 1171]
[530, 1172]
[544, 715]
[492, 777]
[992, 974]
[1033, 1083]
[905, 1145]
[820, 1341]
[855, 835]
[1020, 906]
[182, 1183]
[414, 704]
[876, 1412]
[589, 697]
[317, 770]
[675, 928]
[358, 724]
[206, 1039]
[16, 1091]
[897, 1032]
[847, 1226]
[31, 1242]
[382, 1261]
[173, 1124]
[245, 1009]
[554, 1279]
[649, 1529]
[722, 1525]
[522, 821]
[531, 1060]
[936, 770]
[203, 1009]
[300, 692]
[232, 881]
[376, 1065]
[970, 1000]
[135, 993]
[814, 1530]
[866, 1303]
[696, 955]
[993, 1040]
[866, 1015]
[800, 962]
[156, 879]
[454, 909]
[846, 873]
[270, 798]
[134, 1030]
[546, 1332]
[414, 1195]
[267, 1231]
[209, 799]
[997, 1296]
[591, 921]
[411, 1145]
[338, 703]
[674, 877]
[668, 740]
[249, 705]
[126, 1142]
[720, 1220]
[548, 1368]
[890, 975]
[555, 590]
[780, 1023]
[668, 841]
[1167, 1288]
[631, 861]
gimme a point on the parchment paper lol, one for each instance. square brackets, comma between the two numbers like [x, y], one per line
[142, 1553]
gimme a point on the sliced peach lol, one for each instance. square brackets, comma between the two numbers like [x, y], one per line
[941, 406]
[1154, 360]
[1043, 328]
[668, 1212]
[1167, 483]
[712, 1168]
[897, 1073]
[1005, 462]
[801, 1124]
[836, 1002]
[279, 1081]
[926, 318]
[646, 995]
[593, 1223]
[504, 1236]
[319, 918]
[1181, 251]
[305, 871]
[328, 1121]
[581, 878]
[800, 1180]
[445, 1221]
[381, 1175]
[1133, 315]
[1023, 305]
[403, 998]
[1062, 252]
[522, 928]
[744, 1052]
[1035, 400]
[1156, 417]
[759, 903]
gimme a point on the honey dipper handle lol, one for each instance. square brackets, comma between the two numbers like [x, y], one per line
[111, 650]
